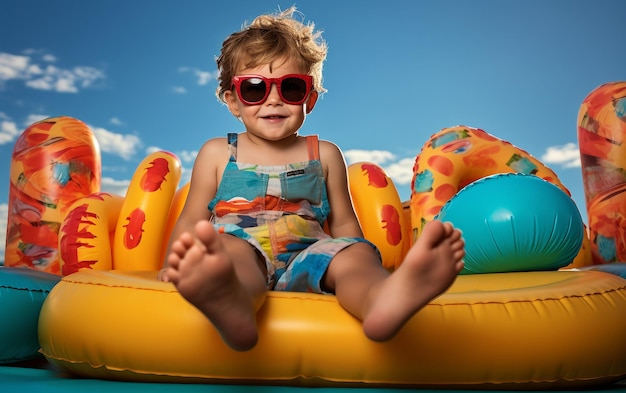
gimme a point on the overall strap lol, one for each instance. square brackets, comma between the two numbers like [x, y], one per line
[313, 147]
[232, 146]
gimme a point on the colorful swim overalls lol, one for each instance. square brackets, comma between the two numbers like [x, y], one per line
[280, 210]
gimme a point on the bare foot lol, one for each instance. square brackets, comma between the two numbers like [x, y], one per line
[204, 274]
[429, 268]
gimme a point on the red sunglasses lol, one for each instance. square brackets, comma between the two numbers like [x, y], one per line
[293, 89]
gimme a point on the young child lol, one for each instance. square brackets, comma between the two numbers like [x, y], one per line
[269, 193]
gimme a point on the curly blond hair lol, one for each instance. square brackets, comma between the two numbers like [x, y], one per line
[267, 39]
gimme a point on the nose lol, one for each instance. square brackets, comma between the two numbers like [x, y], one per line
[274, 98]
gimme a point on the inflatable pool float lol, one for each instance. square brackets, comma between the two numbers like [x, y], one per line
[529, 330]
[110, 318]
[22, 293]
[119, 323]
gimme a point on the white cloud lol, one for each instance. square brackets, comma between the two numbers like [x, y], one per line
[152, 149]
[13, 66]
[179, 90]
[49, 58]
[40, 84]
[187, 156]
[123, 145]
[31, 69]
[4, 215]
[399, 170]
[567, 156]
[202, 77]
[116, 121]
[375, 156]
[33, 118]
[9, 129]
[115, 187]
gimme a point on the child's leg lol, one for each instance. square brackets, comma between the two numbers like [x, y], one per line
[221, 276]
[386, 302]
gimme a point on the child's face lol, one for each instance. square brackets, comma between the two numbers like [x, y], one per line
[273, 119]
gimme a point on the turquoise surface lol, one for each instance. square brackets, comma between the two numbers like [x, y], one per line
[22, 293]
[41, 380]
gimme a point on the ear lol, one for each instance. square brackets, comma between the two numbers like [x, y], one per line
[231, 101]
[310, 102]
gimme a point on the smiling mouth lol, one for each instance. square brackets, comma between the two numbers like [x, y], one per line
[274, 117]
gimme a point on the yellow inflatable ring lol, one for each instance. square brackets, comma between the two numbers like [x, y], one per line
[511, 330]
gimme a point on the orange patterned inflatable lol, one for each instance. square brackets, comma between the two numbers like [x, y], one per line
[457, 156]
[54, 162]
[380, 212]
[601, 136]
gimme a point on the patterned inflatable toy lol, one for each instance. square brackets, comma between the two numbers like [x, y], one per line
[54, 162]
[457, 156]
[601, 137]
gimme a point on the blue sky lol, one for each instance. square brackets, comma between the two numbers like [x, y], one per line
[141, 74]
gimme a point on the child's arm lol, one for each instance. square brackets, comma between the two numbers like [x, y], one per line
[342, 220]
[207, 170]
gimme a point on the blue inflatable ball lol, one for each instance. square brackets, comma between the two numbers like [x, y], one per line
[515, 222]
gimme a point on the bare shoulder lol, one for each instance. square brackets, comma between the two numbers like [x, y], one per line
[213, 151]
[332, 160]
[211, 160]
[215, 145]
[330, 152]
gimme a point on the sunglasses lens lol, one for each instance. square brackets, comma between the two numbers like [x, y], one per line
[253, 89]
[293, 89]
